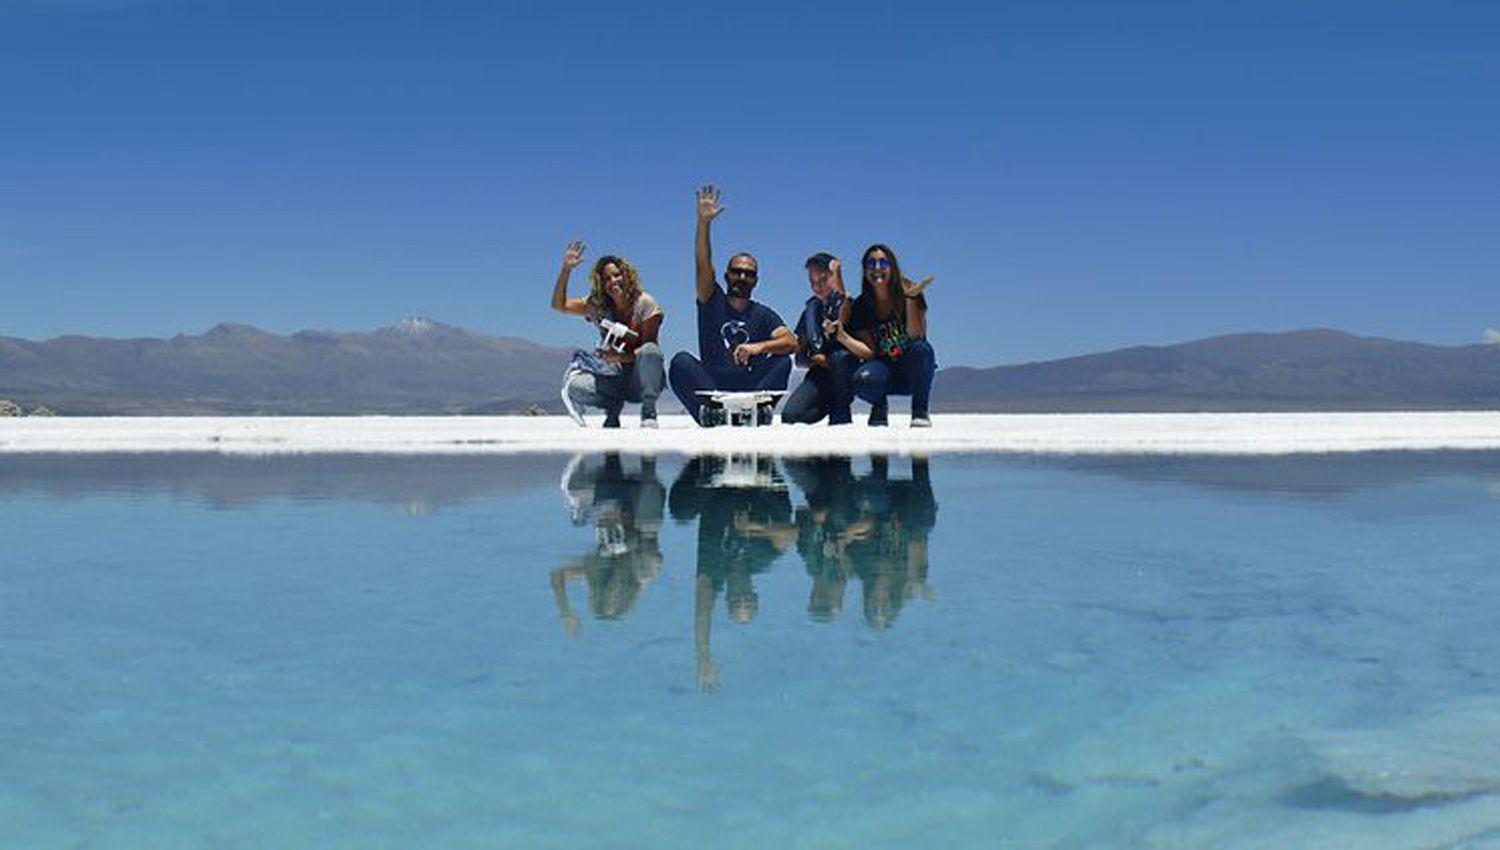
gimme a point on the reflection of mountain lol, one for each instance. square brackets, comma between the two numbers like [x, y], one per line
[1331, 474]
[625, 508]
[408, 484]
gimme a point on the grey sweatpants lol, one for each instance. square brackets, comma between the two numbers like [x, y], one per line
[641, 381]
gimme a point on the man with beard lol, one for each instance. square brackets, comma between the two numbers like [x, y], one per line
[742, 345]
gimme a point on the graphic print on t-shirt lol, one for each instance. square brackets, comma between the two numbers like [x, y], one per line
[734, 333]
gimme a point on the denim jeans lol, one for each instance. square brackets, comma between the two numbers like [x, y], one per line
[876, 380]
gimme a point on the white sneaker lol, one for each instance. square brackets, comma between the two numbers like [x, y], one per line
[921, 422]
[649, 423]
[568, 401]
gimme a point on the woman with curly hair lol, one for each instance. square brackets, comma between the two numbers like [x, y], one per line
[889, 322]
[627, 366]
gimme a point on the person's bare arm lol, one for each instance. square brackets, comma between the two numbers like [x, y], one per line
[916, 305]
[782, 341]
[856, 345]
[572, 257]
[708, 210]
[703, 612]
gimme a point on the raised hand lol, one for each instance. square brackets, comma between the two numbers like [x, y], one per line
[912, 290]
[708, 202]
[573, 255]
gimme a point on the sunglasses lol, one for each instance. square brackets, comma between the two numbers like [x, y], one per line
[878, 263]
[751, 274]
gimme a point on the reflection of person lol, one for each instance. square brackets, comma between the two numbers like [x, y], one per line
[630, 367]
[743, 514]
[891, 561]
[873, 528]
[742, 344]
[626, 509]
[826, 525]
[890, 319]
[823, 345]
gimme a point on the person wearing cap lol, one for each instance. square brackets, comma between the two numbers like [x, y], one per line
[742, 345]
[826, 348]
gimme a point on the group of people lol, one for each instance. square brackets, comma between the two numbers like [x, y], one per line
[873, 345]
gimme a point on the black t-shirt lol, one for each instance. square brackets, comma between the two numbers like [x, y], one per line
[721, 328]
[891, 338]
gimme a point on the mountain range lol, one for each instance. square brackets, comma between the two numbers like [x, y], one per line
[419, 366]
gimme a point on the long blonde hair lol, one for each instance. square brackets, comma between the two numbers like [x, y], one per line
[598, 299]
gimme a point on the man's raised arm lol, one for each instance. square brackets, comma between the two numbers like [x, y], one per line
[708, 210]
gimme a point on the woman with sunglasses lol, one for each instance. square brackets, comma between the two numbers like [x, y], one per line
[889, 321]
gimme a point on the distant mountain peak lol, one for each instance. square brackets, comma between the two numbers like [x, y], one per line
[418, 327]
[233, 331]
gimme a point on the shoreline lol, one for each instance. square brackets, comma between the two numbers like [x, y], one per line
[1041, 434]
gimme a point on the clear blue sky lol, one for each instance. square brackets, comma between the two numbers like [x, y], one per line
[1079, 176]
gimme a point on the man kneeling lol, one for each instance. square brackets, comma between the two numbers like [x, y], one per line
[743, 345]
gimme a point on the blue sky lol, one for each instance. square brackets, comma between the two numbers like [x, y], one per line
[1079, 176]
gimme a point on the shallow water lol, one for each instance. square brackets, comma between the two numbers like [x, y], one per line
[976, 651]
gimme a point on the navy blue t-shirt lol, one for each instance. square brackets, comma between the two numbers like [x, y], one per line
[721, 328]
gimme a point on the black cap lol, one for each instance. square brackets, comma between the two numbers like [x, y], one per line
[820, 260]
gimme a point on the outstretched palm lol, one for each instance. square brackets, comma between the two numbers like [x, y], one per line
[911, 289]
[573, 255]
[708, 202]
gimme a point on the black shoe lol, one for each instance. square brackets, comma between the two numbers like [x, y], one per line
[879, 417]
[612, 419]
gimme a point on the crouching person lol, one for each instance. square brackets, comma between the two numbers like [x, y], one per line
[824, 347]
[742, 345]
[889, 318]
[627, 365]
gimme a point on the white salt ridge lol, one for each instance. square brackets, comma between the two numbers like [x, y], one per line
[1123, 433]
[1450, 754]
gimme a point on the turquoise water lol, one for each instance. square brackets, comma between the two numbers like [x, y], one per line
[206, 652]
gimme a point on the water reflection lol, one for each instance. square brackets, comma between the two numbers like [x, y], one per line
[872, 528]
[625, 508]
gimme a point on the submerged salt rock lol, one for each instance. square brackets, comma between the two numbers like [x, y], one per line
[1237, 825]
[1448, 754]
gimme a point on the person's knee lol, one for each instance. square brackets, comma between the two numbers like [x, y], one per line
[580, 388]
[869, 383]
[682, 363]
[649, 351]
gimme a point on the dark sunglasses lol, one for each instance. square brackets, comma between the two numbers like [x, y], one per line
[878, 263]
[747, 273]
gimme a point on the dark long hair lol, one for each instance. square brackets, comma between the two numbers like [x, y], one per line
[867, 294]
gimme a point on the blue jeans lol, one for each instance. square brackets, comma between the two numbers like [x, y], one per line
[688, 375]
[824, 392]
[911, 375]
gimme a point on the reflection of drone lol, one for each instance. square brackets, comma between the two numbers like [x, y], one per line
[746, 472]
[743, 408]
